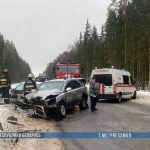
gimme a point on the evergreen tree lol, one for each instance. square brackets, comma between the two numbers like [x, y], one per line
[10, 59]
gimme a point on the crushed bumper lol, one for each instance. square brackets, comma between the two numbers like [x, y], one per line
[44, 112]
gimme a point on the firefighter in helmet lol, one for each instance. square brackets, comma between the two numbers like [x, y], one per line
[29, 84]
[5, 85]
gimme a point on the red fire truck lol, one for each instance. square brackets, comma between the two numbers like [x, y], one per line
[64, 70]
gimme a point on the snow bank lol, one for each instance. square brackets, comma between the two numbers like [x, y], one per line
[144, 93]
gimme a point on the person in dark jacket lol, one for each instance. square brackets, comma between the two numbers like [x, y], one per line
[5, 85]
[93, 93]
[29, 85]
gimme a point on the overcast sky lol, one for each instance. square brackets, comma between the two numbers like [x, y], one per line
[42, 29]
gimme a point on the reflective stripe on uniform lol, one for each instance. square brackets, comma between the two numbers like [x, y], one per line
[28, 91]
[29, 86]
[3, 80]
[5, 85]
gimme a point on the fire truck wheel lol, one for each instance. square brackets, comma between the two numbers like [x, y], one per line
[119, 98]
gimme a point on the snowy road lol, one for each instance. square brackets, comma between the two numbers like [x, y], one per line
[130, 115]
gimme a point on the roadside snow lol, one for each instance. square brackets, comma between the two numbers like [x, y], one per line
[143, 93]
[27, 124]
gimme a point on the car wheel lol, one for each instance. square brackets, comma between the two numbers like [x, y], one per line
[119, 98]
[83, 105]
[134, 95]
[60, 112]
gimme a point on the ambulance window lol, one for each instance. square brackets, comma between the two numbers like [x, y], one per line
[126, 79]
[105, 79]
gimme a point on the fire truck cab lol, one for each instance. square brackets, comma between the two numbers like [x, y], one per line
[64, 70]
[114, 84]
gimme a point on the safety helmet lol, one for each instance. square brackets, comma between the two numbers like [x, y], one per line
[5, 70]
[30, 75]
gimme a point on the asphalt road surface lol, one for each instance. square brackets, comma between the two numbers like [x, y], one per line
[128, 116]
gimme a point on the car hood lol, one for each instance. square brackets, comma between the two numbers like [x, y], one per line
[43, 94]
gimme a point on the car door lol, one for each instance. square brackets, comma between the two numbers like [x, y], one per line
[69, 95]
[77, 92]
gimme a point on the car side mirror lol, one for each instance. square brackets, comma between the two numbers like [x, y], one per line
[68, 89]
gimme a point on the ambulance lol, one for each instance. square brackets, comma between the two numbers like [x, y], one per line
[114, 84]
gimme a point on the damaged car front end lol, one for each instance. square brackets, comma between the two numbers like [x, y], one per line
[54, 97]
[45, 108]
[44, 101]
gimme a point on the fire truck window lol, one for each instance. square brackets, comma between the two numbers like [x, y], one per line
[69, 69]
[72, 69]
[62, 69]
[126, 79]
[105, 79]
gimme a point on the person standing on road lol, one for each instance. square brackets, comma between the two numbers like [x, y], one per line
[29, 85]
[5, 85]
[93, 93]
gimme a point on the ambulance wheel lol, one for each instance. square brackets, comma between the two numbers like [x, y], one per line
[134, 95]
[119, 98]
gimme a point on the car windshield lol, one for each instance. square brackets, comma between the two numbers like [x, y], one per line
[38, 85]
[69, 69]
[20, 87]
[52, 85]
